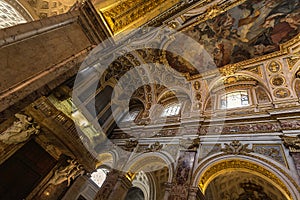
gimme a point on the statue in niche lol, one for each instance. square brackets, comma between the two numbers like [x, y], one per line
[71, 171]
[20, 131]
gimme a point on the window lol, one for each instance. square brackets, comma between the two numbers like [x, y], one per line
[9, 16]
[99, 176]
[234, 100]
[171, 110]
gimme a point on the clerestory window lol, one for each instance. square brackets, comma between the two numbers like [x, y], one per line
[234, 100]
[171, 110]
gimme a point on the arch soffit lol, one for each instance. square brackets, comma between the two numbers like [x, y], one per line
[107, 159]
[140, 161]
[219, 164]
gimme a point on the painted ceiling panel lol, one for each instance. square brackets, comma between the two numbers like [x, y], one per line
[252, 29]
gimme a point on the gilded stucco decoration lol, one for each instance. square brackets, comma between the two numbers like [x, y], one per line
[236, 147]
[128, 14]
[255, 69]
[282, 93]
[292, 60]
[274, 67]
[241, 165]
[239, 185]
[277, 80]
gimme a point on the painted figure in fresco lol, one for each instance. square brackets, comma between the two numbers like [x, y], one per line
[254, 28]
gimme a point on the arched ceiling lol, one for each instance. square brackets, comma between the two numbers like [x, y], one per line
[238, 185]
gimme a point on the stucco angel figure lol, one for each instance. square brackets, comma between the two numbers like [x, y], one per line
[20, 131]
[67, 173]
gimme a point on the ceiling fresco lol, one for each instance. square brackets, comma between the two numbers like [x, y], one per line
[251, 29]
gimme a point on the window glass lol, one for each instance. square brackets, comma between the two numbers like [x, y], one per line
[235, 99]
[99, 176]
[171, 110]
[9, 16]
[131, 116]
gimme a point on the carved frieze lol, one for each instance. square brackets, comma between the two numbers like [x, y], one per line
[235, 147]
[293, 124]
[241, 128]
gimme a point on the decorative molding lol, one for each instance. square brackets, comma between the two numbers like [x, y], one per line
[130, 144]
[192, 144]
[235, 147]
[279, 169]
[154, 147]
[291, 142]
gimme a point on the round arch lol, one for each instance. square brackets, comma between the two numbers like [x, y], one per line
[209, 169]
[141, 161]
[107, 159]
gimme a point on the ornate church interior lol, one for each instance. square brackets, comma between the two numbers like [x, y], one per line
[150, 100]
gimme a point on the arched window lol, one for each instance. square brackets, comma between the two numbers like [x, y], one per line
[235, 99]
[171, 110]
[9, 16]
[99, 176]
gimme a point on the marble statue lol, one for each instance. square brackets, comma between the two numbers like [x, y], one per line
[20, 131]
[69, 172]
